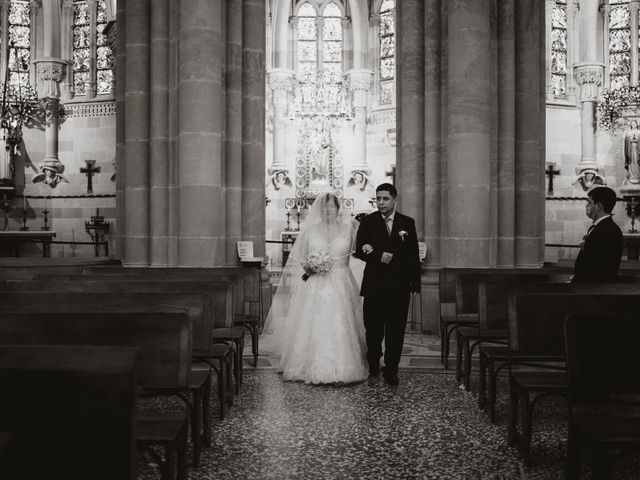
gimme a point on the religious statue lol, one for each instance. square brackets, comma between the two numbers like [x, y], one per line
[632, 153]
[51, 173]
[280, 179]
[588, 178]
[319, 152]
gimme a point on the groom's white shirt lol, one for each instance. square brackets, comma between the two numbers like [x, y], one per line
[389, 220]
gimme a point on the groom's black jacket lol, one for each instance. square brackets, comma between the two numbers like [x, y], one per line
[403, 273]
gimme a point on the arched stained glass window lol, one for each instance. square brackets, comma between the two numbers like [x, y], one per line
[307, 42]
[619, 44]
[319, 53]
[20, 38]
[559, 47]
[387, 52]
[87, 35]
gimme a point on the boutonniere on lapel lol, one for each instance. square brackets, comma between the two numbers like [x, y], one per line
[403, 234]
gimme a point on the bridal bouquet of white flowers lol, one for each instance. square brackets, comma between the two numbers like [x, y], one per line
[318, 261]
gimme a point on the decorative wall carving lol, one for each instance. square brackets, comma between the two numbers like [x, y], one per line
[94, 109]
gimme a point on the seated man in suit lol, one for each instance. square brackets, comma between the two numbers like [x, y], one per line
[599, 257]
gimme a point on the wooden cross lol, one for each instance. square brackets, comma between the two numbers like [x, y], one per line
[392, 174]
[90, 170]
[551, 172]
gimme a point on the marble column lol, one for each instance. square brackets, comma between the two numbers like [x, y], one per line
[201, 224]
[281, 82]
[589, 77]
[159, 152]
[605, 9]
[410, 110]
[469, 134]
[253, 129]
[359, 82]
[136, 121]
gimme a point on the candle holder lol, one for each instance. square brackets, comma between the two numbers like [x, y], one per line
[24, 227]
[97, 228]
[46, 227]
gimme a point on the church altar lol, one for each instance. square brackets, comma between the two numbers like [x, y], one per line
[10, 241]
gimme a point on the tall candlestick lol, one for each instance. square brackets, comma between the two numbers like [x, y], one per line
[24, 202]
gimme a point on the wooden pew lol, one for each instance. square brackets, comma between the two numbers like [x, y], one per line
[198, 307]
[246, 314]
[536, 328]
[455, 311]
[164, 348]
[70, 411]
[493, 301]
[467, 301]
[5, 458]
[219, 291]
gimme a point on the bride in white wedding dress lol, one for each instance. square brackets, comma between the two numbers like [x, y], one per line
[315, 325]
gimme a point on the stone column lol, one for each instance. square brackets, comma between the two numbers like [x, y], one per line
[293, 22]
[589, 79]
[506, 154]
[634, 6]
[4, 35]
[233, 130]
[347, 44]
[359, 82]
[136, 148]
[200, 220]
[159, 134]
[573, 40]
[432, 130]
[50, 73]
[281, 82]
[410, 109]
[253, 134]
[469, 134]
[66, 49]
[51, 38]
[119, 84]
[530, 130]
[605, 9]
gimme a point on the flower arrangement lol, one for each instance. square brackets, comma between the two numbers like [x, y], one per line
[612, 103]
[403, 234]
[318, 261]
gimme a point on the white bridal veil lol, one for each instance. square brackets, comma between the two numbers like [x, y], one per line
[325, 223]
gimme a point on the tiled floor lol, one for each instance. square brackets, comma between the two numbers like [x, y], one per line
[426, 428]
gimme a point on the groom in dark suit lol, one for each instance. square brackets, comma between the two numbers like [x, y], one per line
[599, 258]
[388, 243]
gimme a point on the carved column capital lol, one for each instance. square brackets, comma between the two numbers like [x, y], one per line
[359, 82]
[281, 79]
[589, 76]
[67, 7]
[35, 4]
[51, 71]
[293, 21]
[346, 22]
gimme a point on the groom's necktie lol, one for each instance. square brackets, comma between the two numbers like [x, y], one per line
[387, 222]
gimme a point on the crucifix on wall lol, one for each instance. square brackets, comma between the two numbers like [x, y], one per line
[551, 172]
[391, 173]
[89, 170]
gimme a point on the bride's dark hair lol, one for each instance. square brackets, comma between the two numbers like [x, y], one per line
[331, 196]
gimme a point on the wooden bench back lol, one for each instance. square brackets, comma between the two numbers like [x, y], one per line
[163, 339]
[241, 278]
[70, 411]
[198, 308]
[601, 361]
[493, 298]
[536, 319]
[467, 284]
[219, 291]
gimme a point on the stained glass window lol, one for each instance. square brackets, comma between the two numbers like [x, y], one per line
[619, 45]
[83, 35]
[19, 37]
[319, 52]
[387, 52]
[559, 48]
